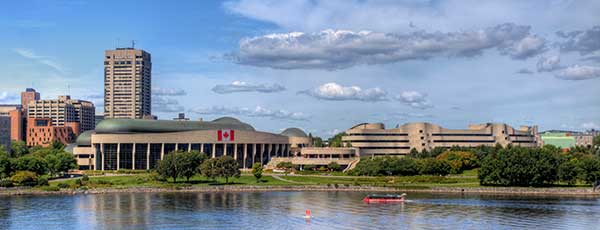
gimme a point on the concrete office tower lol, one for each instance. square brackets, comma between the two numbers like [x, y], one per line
[127, 83]
[63, 110]
[27, 96]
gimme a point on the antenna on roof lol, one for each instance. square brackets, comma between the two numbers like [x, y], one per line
[68, 89]
[133, 44]
[117, 43]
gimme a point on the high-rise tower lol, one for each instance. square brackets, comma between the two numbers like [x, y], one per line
[127, 83]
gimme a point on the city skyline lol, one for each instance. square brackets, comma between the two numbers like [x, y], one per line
[427, 61]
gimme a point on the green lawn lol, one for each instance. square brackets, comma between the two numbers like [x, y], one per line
[146, 180]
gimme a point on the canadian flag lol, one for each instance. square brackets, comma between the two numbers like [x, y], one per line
[226, 135]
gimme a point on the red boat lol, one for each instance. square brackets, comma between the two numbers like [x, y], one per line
[386, 198]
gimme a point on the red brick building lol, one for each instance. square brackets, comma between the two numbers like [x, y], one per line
[40, 131]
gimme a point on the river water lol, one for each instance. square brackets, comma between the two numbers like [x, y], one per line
[285, 210]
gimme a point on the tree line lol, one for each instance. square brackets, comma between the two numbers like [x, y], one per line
[25, 166]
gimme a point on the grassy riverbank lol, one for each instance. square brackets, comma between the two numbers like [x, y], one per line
[140, 181]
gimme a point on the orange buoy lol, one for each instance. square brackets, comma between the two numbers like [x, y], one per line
[307, 215]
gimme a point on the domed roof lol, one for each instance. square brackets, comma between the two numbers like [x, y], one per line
[165, 126]
[294, 132]
[226, 120]
[69, 148]
[85, 138]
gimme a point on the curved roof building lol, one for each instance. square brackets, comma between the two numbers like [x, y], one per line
[139, 144]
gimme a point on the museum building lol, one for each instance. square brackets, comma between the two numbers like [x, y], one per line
[138, 144]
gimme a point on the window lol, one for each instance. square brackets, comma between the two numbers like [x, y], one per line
[141, 153]
[126, 156]
[110, 156]
[155, 150]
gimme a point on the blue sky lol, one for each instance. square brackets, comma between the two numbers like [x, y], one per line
[322, 66]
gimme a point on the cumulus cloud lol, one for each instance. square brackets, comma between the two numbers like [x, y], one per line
[168, 92]
[240, 86]
[578, 72]
[7, 97]
[548, 64]
[166, 105]
[335, 92]
[338, 49]
[257, 111]
[414, 99]
[29, 54]
[582, 41]
[524, 71]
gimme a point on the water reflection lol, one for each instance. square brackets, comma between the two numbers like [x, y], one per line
[285, 210]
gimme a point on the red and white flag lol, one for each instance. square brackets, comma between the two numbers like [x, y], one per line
[226, 135]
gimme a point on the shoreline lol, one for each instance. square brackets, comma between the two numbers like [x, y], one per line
[513, 191]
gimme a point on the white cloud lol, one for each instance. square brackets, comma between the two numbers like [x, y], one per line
[548, 64]
[166, 105]
[582, 41]
[157, 91]
[524, 71]
[6, 97]
[578, 72]
[338, 49]
[240, 86]
[335, 92]
[414, 99]
[590, 125]
[257, 111]
[29, 54]
[525, 48]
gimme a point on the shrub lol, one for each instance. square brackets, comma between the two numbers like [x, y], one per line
[285, 165]
[334, 166]
[50, 188]
[24, 178]
[257, 171]
[85, 178]
[6, 183]
[42, 181]
[62, 185]
[309, 167]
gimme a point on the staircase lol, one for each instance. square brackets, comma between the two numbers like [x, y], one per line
[352, 165]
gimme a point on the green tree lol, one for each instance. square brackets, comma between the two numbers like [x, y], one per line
[60, 163]
[19, 148]
[334, 166]
[519, 166]
[336, 141]
[224, 166]
[31, 163]
[257, 171]
[57, 145]
[459, 160]
[432, 166]
[189, 163]
[568, 171]
[6, 166]
[167, 167]
[406, 166]
[229, 167]
[590, 169]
